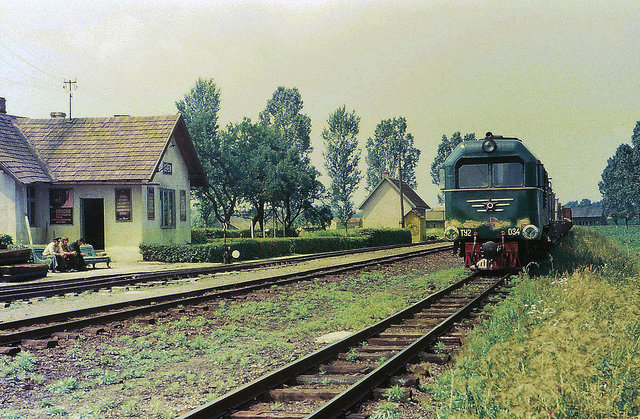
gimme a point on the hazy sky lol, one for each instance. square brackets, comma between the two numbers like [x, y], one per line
[564, 77]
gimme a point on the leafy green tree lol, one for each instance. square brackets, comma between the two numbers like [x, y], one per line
[283, 113]
[293, 186]
[635, 137]
[293, 183]
[341, 158]
[317, 216]
[619, 185]
[571, 204]
[199, 108]
[261, 147]
[446, 146]
[391, 149]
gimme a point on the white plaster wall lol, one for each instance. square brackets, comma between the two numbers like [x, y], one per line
[121, 238]
[8, 205]
[178, 180]
[382, 210]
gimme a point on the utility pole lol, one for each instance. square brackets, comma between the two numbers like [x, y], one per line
[401, 194]
[70, 83]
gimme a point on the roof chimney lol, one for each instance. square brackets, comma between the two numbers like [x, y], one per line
[58, 115]
[3, 105]
[385, 174]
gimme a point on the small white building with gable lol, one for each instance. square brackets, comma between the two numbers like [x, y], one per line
[116, 181]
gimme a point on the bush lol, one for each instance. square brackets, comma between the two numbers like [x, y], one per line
[584, 247]
[5, 239]
[384, 237]
[204, 235]
[268, 248]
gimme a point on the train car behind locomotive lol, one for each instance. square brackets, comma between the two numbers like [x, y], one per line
[500, 210]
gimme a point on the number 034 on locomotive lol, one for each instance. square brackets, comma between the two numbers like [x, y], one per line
[500, 210]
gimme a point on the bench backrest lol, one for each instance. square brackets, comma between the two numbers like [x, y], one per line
[37, 249]
[88, 250]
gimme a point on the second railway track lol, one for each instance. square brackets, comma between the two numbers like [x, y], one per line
[43, 326]
[24, 291]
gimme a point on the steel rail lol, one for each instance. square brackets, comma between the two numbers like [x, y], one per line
[337, 406]
[230, 401]
[11, 293]
[154, 304]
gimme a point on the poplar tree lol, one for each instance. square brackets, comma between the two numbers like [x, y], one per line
[294, 184]
[391, 148]
[341, 158]
[446, 146]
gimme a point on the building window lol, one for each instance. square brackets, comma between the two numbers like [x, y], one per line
[31, 205]
[151, 203]
[167, 168]
[183, 205]
[168, 208]
[123, 204]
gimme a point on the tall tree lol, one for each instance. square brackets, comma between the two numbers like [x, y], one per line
[619, 185]
[283, 112]
[220, 153]
[391, 149]
[341, 158]
[446, 146]
[293, 184]
[293, 187]
[635, 136]
[199, 108]
[262, 147]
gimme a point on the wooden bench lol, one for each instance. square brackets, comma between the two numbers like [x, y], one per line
[91, 257]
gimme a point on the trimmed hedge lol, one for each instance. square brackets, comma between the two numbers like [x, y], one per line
[267, 248]
[204, 235]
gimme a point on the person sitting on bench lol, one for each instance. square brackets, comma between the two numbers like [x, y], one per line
[69, 256]
[75, 247]
[54, 258]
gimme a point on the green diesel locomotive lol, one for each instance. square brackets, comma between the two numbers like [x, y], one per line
[500, 210]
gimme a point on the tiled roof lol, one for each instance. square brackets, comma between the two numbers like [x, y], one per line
[593, 210]
[410, 194]
[100, 149]
[407, 192]
[17, 156]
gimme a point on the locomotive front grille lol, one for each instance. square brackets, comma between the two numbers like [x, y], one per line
[490, 205]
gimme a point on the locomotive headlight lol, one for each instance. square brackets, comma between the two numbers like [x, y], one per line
[489, 146]
[451, 233]
[530, 232]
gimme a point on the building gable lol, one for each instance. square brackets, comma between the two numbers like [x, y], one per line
[410, 196]
[17, 157]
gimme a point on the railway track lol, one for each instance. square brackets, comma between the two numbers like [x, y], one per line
[26, 291]
[13, 332]
[334, 380]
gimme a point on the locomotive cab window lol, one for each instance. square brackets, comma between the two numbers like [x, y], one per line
[506, 175]
[473, 175]
[501, 174]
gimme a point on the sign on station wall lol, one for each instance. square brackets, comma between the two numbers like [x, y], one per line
[123, 204]
[60, 206]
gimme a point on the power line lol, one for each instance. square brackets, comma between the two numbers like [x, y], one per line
[24, 60]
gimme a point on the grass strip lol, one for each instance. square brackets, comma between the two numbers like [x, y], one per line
[561, 345]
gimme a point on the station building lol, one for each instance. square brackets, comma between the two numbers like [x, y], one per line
[116, 181]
